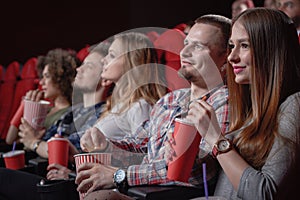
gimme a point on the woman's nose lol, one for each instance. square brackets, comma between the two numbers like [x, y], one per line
[233, 56]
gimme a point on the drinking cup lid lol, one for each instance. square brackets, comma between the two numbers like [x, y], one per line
[13, 153]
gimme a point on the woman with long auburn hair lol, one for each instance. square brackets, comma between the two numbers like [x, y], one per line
[264, 99]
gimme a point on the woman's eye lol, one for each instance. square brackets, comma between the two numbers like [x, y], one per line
[230, 46]
[245, 46]
[111, 55]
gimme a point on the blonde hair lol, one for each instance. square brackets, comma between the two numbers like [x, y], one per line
[142, 76]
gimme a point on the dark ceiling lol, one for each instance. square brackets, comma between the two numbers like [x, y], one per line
[30, 28]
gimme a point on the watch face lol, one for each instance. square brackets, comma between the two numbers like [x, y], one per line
[120, 176]
[223, 145]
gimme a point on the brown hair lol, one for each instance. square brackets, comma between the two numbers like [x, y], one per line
[62, 69]
[274, 76]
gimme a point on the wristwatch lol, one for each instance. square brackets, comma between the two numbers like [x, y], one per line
[221, 146]
[120, 179]
[36, 145]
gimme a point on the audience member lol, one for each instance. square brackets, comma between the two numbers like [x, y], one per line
[203, 58]
[292, 9]
[239, 6]
[58, 73]
[263, 83]
[131, 65]
[84, 115]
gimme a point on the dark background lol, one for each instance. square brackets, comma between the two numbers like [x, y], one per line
[30, 28]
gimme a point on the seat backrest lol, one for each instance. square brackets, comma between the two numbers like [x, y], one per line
[7, 94]
[152, 35]
[169, 45]
[28, 81]
[29, 70]
[82, 53]
[2, 71]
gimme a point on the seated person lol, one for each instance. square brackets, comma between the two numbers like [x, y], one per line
[58, 73]
[202, 58]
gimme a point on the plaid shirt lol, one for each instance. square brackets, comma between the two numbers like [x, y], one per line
[75, 122]
[83, 119]
[153, 169]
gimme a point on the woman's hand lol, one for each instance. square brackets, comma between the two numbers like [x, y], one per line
[204, 118]
[28, 135]
[92, 176]
[57, 171]
[93, 140]
[34, 95]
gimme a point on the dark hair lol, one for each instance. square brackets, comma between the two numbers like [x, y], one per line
[62, 66]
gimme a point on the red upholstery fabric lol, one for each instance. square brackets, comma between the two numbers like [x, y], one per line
[2, 70]
[152, 35]
[28, 81]
[7, 95]
[169, 45]
[82, 53]
[181, 26]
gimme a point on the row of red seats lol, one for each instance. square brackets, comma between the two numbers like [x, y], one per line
[16, 80]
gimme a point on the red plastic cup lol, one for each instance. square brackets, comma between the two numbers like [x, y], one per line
[14, 159]
[103, 158]
[58, 151]
[186, 146]
[35, 113]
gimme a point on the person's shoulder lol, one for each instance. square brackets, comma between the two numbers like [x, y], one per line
[175, 95]
[220, 92]
[291, 101]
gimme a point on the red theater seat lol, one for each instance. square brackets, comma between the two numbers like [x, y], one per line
[169, 45]
[82, 53]
[2, 71]
[28, 81]
[7, 94]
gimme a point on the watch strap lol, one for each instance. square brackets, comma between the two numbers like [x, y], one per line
[122, 186]
[36, 145]
[215, 151]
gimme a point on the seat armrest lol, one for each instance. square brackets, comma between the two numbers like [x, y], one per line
[155, 192]
[40, 165]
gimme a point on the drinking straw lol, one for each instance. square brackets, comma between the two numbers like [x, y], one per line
[14, 146]
[204, 180]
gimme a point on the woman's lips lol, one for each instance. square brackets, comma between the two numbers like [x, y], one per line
[238, 69]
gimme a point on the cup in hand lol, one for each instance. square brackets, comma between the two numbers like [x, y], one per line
[35, 112]
[103, 158]
[14, 159]
[58, 151]
[185, 147]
